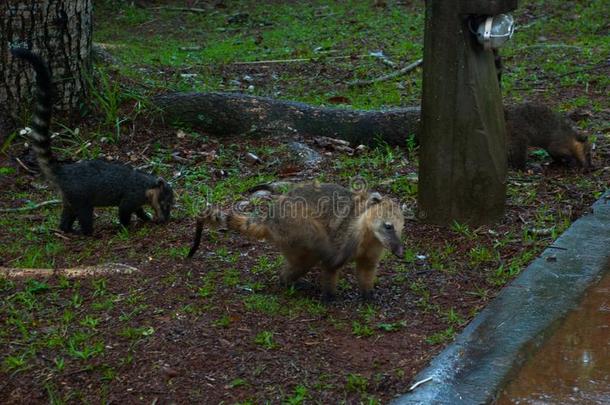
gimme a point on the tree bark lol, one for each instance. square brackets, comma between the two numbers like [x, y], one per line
[58, 30]
[224, 114]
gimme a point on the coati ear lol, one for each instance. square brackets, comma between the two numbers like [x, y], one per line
[374, 198]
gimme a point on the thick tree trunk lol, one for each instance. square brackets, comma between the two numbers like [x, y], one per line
[232, 114]
[58, 30]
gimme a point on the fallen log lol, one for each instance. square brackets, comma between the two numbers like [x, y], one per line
[223, 114]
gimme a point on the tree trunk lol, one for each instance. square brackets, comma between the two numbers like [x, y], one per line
[233, 114]
[462, 159]
[58, 30]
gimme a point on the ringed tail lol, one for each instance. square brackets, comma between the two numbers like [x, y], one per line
[236, 222]
[247, 226]
[197, 239]
[41, 141]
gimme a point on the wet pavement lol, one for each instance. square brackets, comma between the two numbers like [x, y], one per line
[526, 316]
[573, 366]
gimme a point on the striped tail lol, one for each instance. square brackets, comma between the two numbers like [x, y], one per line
[236, 222]
[247, 226]
[41, 141]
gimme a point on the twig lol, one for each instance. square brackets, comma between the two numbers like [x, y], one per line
[33, 207]
[417, 384]
[551, 46]
[595, 67]
[270, 61]
[60, 235]
[389, 76]
[27, 169]
[185, 9]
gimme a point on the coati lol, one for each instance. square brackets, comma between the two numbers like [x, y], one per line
[531, 124]
[322, 224]
[90, 183]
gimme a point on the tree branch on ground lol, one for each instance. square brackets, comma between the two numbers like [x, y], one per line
[389, 76]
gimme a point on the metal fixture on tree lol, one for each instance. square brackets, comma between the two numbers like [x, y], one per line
[495, 31]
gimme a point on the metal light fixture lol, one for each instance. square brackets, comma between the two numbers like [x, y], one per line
[495, 30]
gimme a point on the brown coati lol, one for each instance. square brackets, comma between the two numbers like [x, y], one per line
[322, 224]
[536, 125]
[90, 183]
[499, 66]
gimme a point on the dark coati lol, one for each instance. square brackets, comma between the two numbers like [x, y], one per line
[536, 125]
[322, 224]
[90, 183]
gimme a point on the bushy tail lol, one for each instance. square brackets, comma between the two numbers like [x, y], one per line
[251, 227]
[234, 221]
[41, 141]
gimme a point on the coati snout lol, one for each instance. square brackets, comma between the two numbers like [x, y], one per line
[161, 199]
[387, 235]
[386, 225]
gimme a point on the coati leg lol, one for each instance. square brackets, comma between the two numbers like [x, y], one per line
[366, 270]
[67, 219]
[85, 219]
[328, 281]
[125, 211]
[142, 214]
[517, 154]
[296, 267]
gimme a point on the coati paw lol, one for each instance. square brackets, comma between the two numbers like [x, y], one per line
[367, 296]
[328, 297]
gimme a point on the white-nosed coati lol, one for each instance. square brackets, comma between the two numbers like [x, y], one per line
[90, 183]
[536, 125]
[326, 225]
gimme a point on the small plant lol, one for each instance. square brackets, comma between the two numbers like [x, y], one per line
[392, 327]
[137, 333]
[15, 362]
[265, 339]
[231, 277]
[410, 255]
[454, 318]
[104, 305]
[441, 337]
[238, 382]
[209, 286]
[78, 346]
[356, 383]
[60, 363]
[480, 254]
[267, 265]
[462, 229]
[5, 171]
[108, 374]
[298, 397]
[76, 300]
[361, 329]
[35, 287]
[368, 312]
[411, 143]
[223, 322]
[267, 304]
[90, 322]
